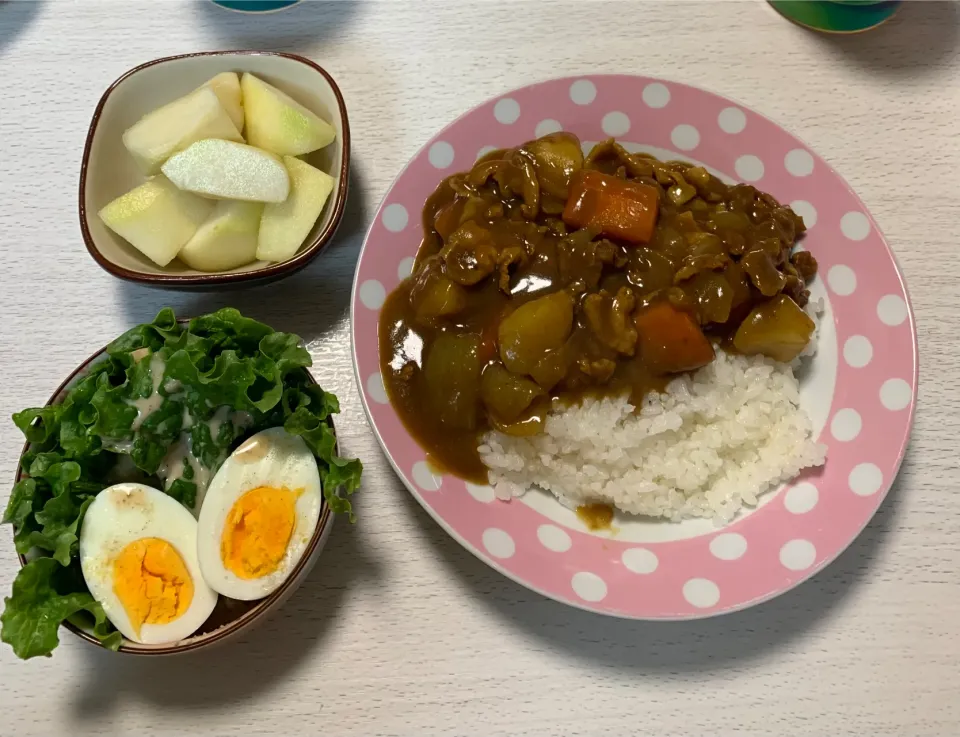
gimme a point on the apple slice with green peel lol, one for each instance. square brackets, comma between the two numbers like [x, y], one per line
[226, 85]
[159, 135]
[227, 239]
[278, 123]
[229, 171]
[156, 218]
[285, 226]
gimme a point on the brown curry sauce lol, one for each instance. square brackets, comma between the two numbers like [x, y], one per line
[453, 364]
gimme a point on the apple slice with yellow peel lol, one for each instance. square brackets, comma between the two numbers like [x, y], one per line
[227, 239]
[156, 218]
[285, 226]
[226, 86]
[229, 171]
[278, 123]
[160, 134]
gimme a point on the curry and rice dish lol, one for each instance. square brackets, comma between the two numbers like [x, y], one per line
[611, 328]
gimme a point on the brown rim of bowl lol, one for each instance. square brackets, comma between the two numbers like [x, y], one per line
[260, 608]
[284, 268]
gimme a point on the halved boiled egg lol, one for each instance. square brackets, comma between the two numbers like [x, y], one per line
[138, 554]
[259, 513]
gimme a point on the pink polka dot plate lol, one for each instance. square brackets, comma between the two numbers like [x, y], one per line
[860, 390]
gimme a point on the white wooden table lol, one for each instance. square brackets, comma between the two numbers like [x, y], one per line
[398, 630]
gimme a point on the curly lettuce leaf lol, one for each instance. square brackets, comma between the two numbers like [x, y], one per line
[335, 473]
[20, 506]
[184, 492]
[44, 595]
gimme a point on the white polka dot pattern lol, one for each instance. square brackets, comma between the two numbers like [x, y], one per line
[376, 389]
[701, 593]
[372, 294]
[805, 210]
[799, 162]
[865, 479]
[842, 280]
[589, 586]
[857, 351]
[892, 310]
[425, 478]
[506, 111]
[482, 493]
[554, 538]
[615, 124]
[441, 155]
[640, 560]
[798, 555]
[801, 498]
[583, 92]
[499, 543]
[685, 137]
[895, 394]
[656, 95]
[395, 217]
[855, 226]
[546, 127]
[749, 168]
[846, 425]
[732, 120]
[728, 546]
[405, 267]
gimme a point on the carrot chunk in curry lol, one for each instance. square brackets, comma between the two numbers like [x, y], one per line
[615, 207]
[670, 339]
[546, 276]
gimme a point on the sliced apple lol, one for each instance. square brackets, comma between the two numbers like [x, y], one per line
[159, 135]
[278, 123]
[285, 226]
[156, 218]
[227, 239]
[226, 86]
[229, 171]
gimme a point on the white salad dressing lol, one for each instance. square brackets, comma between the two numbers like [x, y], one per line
[181, 454]
[148, 405]
[216, 422]
[201, 477]
[171, 467]
[176, 461]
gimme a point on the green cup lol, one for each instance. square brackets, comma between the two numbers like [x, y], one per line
[837, 16]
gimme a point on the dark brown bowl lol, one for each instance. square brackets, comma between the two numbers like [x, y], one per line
[107, 170]
[230, 617]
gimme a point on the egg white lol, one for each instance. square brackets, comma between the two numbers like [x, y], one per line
[271, 458]
[125, 513]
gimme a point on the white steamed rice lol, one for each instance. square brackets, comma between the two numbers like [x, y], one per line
[714, 441]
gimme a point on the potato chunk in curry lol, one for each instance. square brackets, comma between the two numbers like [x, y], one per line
[535, 329]
[778, 328]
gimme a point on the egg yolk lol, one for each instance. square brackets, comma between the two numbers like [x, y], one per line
[152, 582]
[257, 531]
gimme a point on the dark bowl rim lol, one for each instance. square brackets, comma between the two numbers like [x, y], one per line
[284, 268]
[262, 607]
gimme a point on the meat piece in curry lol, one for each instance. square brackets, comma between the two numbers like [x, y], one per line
[545, 275]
